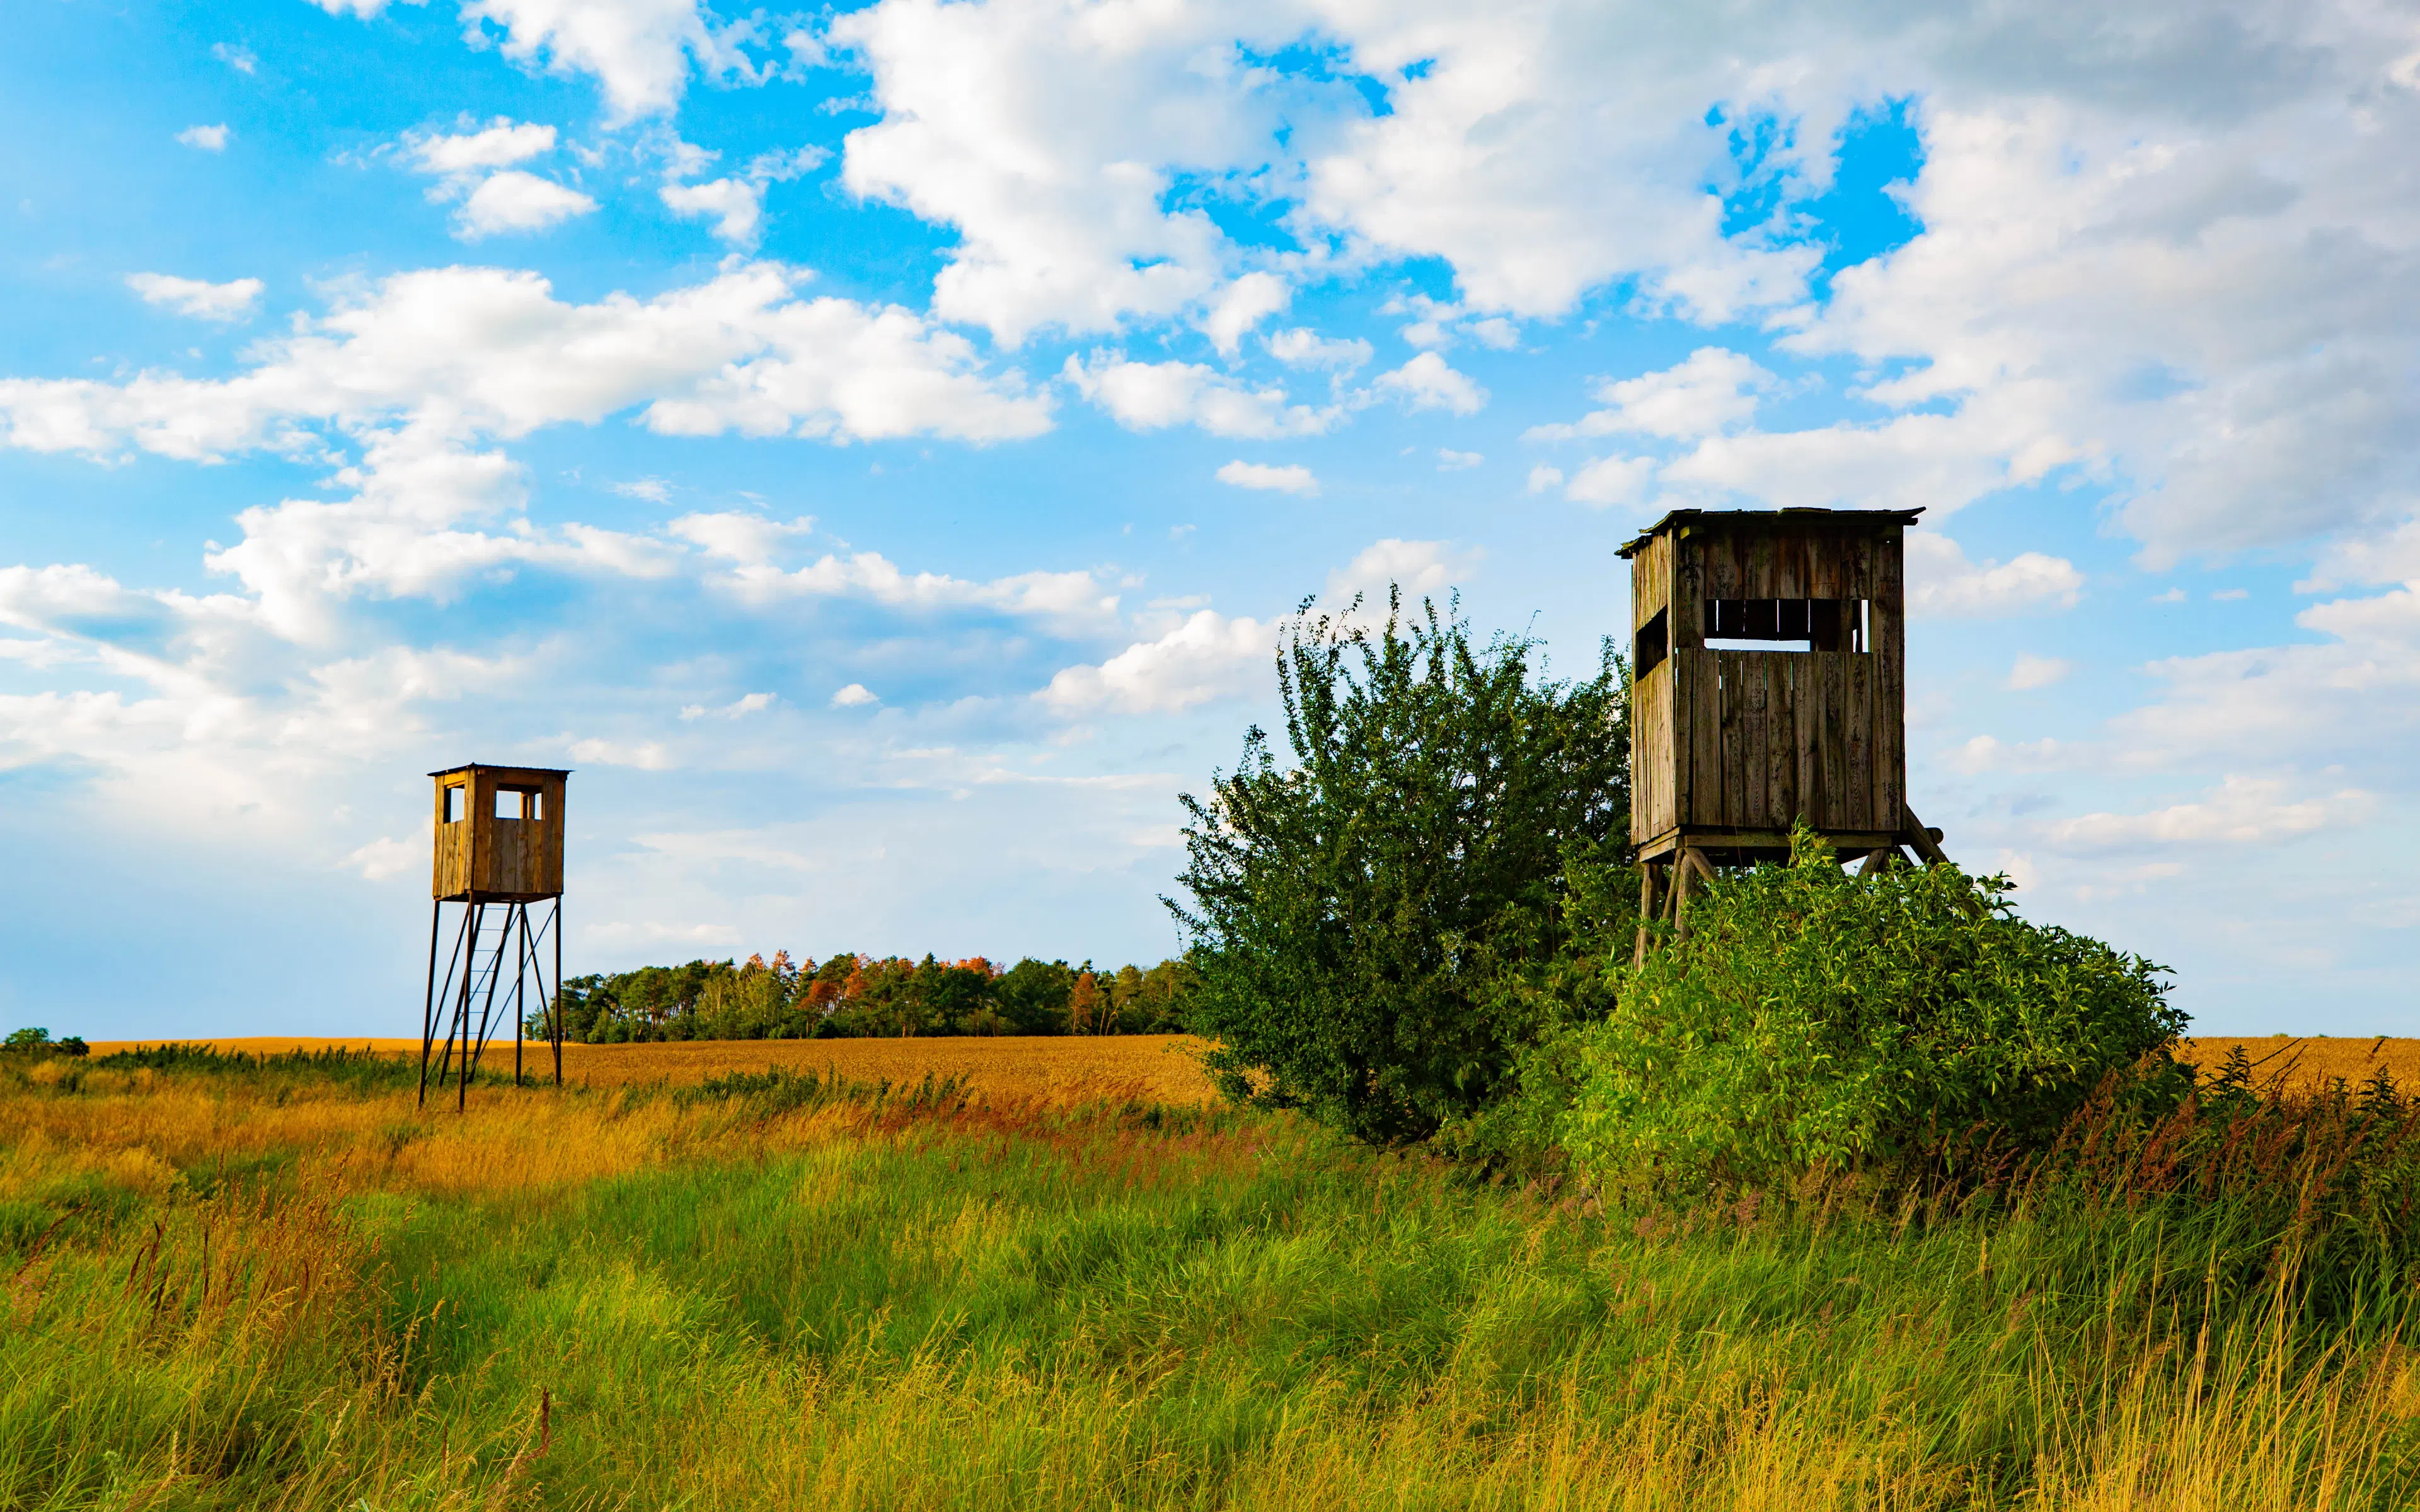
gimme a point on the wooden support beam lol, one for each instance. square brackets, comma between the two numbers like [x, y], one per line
[1647, 879]
[1925, 843]
[1879, 860]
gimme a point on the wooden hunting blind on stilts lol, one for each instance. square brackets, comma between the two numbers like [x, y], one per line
[499, 850]
[1730, 744]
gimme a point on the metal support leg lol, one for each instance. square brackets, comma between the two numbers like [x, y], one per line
[556, 1023]
[429, 999]
[521, 973]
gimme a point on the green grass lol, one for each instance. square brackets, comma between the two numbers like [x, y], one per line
[827, 1296]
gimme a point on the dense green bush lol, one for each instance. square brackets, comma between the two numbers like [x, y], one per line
[1379, 924]
[1818, 1021]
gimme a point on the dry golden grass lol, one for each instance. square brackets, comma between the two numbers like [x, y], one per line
[1150, 1068]
[2304, 1063]
[1154, 1068]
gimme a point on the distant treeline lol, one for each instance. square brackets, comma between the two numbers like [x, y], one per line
[852, 996]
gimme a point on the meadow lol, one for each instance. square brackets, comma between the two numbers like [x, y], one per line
[276, 1283]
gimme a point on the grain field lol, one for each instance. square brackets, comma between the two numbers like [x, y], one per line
[1064, 1068]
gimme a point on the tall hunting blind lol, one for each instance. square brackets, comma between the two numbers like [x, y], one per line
[1769, 686]
[498, 849]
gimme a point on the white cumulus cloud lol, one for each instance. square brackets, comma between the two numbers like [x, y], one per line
[2241, 810]
[1207, 657]
[1155, 395]
[516, 201]
[1292, 478]
[195, 296]
[1715, 390]
[208, 138]
[1428, 381]
[1942, 582]
[2031, 671]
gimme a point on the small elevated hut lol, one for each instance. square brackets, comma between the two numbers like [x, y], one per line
[1769, 663]
[497, 851]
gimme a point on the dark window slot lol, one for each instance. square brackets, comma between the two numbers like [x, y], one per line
[1655, 640]
[1812, 623]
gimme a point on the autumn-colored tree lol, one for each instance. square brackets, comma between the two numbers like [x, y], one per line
[1084, 1005]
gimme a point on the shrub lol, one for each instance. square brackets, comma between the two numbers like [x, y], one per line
[1818, 1021]
[1369, 922]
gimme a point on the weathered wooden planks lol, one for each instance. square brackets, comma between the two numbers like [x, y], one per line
[499, 857]
[1748, 741]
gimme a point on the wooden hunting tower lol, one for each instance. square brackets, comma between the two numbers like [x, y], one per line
[498, 849]
[1731, 742]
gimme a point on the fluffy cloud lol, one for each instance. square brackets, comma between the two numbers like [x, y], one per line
[1246, 303]
[2171, 259]
[516, 201]
[197, 297]
[1076, 599]
[2031, 671]
[733, 204]
[2241, 810]
[1715, 390]
[736, 203]
[427, 370]
[1941, 581]
[1304, 347]
[207, 138]
[1429, 382]
[464, 351]
[1420, 568]
[1155, 395]
[501, 144]
[1293, 478]
[1605, 482]
[641, 51]
[749, 540]
[475, 168]
[1208, 656]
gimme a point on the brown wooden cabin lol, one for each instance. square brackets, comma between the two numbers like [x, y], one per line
[498, 834]
[1730, 744]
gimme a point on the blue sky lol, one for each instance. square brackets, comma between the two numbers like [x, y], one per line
[875, 447]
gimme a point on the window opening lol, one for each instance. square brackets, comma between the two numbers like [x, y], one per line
[516, 803]
[455, 797]
[1785, 625]
[1655, 640]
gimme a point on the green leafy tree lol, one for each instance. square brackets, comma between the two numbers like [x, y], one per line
[1034, 997]
[1365, 920]
[1814, 1019]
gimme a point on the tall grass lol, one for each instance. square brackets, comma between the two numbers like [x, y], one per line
[266, 1290]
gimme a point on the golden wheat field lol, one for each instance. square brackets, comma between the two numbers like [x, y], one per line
[1152, 1068]
[2309, 1063]
[1144, 1068]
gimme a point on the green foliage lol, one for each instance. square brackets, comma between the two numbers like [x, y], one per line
[851, 995]
[39, 1042]
[1379, 925]
[362, 1070]
[1816, 1020]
